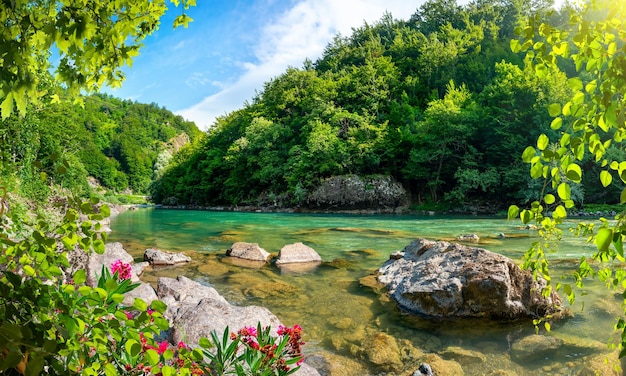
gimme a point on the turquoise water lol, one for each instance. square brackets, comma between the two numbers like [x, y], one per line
[338, 313]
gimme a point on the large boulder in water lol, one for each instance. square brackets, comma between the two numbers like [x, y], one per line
[446, 280]
[248, 251]
[297, 253]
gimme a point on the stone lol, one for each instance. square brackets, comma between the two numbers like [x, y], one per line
[196, 310]
[461, 355]
[356, 192]
[330, 364]
[472, 238]
[533, 347]
[382, 350]
[447, 280]
[441, 367]
[144, 291]
[95, 262]
[248, 251]
[158, 257]
[297, 253]
[603, 364]
[424, 370]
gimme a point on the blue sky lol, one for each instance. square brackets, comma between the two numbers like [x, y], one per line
[232, 47]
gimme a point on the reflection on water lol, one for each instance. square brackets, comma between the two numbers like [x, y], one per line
[341, 315]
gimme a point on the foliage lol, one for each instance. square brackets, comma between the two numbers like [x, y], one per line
[93, 39]
[436, 102]
[591, 122]
[51, 320]
[114, 141]
[253, 351]
[55, 322]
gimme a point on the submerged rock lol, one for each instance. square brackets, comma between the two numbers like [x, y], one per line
[158, 257]
[446, 280]
[382, 350]
[533, 347]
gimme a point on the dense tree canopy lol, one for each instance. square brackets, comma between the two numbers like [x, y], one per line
[438, 102]
[93, 38]
[118, 142]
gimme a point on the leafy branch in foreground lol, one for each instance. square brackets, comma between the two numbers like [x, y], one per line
[591, 123]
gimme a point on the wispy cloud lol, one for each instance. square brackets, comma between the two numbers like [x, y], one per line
[287, 40]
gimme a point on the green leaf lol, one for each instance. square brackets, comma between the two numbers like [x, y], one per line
[151, 357]
[140, 305]
[6, 108]
[515, 45]
[80, 276]
[605, 178]
[559, 212]
[591, 86]
[158, 306]
[574, 173]
[604, 239]
[133, 347]
[536, 170]
[29, 270]
[542, 142]
[554, 109]
[526, 216]
[205, 343]
[109, 370]
[528, 154]
[564, 191]
[549, 199]
[622, 196]
[556, 123]
[513, 212]
[575, 83]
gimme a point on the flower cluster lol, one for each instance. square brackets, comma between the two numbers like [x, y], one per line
[123, 270]
[254, 351]
[294, 343]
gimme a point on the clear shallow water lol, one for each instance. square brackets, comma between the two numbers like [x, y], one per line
[337, 312]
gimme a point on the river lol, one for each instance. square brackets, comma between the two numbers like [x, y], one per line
[338, 313]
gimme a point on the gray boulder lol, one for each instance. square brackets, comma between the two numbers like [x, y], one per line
[297, 253]
[158, 257]
[248, 251]
[95, 262]
[441, 279]
[195, 310]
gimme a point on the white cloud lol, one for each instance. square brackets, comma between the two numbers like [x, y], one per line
[299, 33]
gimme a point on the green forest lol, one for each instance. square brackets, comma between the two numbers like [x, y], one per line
[105, 145]
[438, 103]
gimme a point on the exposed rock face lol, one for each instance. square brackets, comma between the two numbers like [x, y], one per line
[445, 280]
[248, 251]
[297, 253]
[354, 192]
[158, 257]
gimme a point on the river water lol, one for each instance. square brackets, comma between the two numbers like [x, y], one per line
[339, 314]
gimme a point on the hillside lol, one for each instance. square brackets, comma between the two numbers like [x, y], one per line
[438, 102]
[120, 143]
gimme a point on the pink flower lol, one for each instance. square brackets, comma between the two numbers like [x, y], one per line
[129, 315]
[247, 331]
[122, 269]
[163, 347]
[182, 345]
